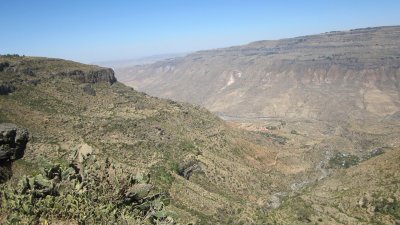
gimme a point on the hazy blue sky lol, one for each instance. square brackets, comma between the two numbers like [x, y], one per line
[98, 30]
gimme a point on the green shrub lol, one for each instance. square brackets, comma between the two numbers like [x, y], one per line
[163, 176]
[90, 192]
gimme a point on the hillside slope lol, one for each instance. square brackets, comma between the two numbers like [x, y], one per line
[365, 194]
[190, 153]
[332, 76]
[205, 170]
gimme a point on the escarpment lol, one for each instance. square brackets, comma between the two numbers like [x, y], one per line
[349, 75]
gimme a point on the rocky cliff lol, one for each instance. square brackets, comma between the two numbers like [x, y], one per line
[13, 142]
[332, 76]
[34, 70]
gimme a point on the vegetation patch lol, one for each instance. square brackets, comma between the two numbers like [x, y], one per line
[343, 160]
[387, 206]
[95, 192]
[163, 177]
[275, 138]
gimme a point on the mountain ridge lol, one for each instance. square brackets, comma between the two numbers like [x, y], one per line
[284, 78]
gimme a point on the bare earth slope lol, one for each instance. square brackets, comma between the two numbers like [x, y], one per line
[337, 75]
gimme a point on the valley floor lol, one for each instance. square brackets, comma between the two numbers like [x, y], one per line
[334, 172]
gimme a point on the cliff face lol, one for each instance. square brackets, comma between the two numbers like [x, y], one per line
[338, 75]
[35, 70]
[13, 142]
[101, 75]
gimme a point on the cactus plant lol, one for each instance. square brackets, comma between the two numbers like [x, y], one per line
[92, 192]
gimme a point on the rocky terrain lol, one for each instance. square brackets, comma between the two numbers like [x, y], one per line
[101, 152]
[13, 142]
[349, 75]
[331, 101]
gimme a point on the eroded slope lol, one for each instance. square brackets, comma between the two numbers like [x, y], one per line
[332, 76]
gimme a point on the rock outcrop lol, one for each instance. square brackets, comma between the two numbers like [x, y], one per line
[13, 142]
[191, 167]
[105, 75]
[6, 88]
[34, 70]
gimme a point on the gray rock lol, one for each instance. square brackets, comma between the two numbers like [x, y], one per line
[188, 169]
[6, 88]
[13, 142]
[137, 193]
[377, 151]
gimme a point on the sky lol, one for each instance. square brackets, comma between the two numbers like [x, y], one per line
[97, 30]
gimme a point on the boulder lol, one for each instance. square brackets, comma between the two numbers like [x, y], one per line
[376, 151]
[138, 193]
[13, 142]
[187, 169]
[6, 88]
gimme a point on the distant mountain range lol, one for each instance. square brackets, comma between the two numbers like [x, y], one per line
[123, 63]
[338, 75]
